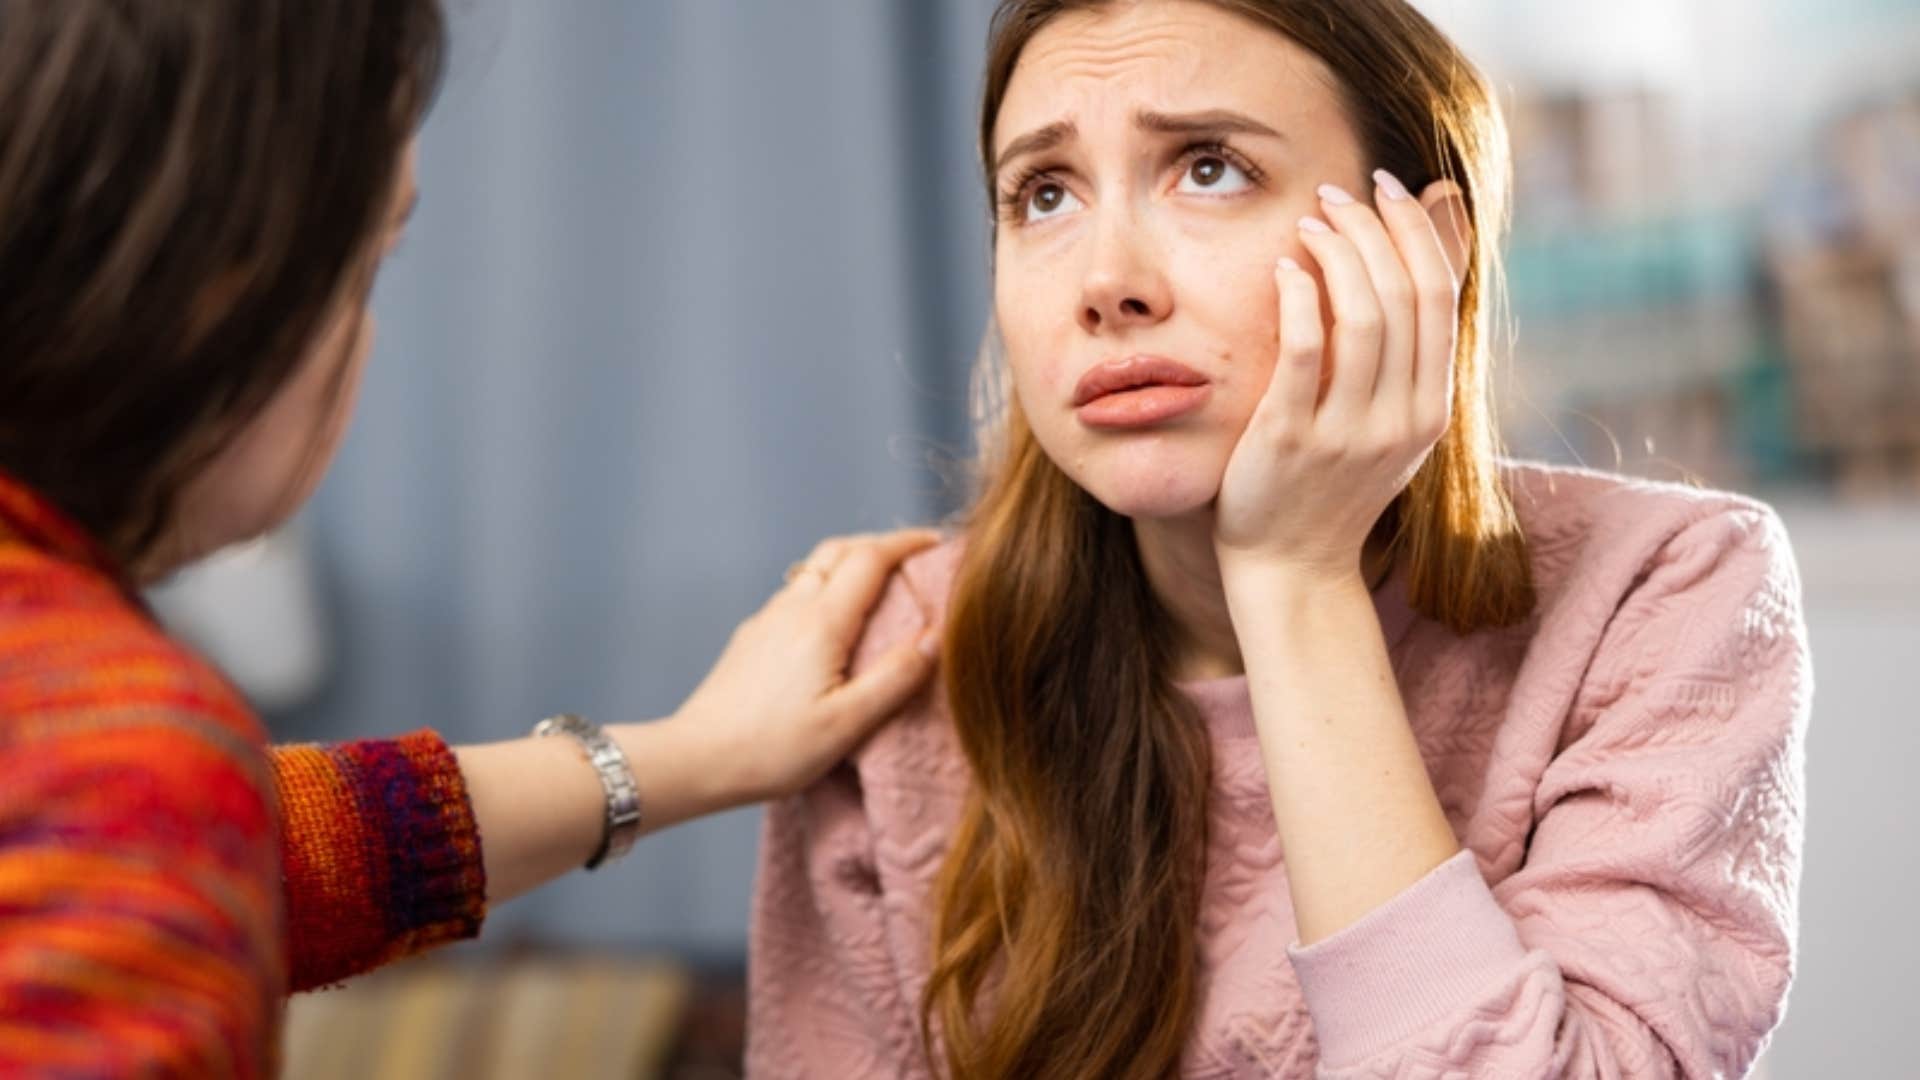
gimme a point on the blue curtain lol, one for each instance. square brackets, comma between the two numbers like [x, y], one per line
[692, 284]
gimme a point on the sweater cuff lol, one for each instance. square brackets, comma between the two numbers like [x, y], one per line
[380, 853]
[1416, 959]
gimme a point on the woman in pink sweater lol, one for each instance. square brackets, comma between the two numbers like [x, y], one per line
[1286, 729]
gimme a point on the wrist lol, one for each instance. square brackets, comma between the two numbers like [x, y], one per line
[1271, 604]
[681, 774]
[1267, 580]
[622, 813]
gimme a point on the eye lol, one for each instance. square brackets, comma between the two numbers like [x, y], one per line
[1050, 199]
[1213, 174]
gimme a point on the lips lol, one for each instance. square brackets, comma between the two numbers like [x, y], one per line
[1133, 373]
[1138, 391]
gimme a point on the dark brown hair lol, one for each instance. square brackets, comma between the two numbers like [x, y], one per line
[1063, 942]
[187, 189]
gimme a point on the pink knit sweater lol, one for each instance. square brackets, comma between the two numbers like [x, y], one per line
[1624, 773]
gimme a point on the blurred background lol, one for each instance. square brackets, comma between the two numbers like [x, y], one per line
[697, 282]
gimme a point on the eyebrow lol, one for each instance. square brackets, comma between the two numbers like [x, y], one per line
[1205, 122]
[1210, 121]
[1037, 141]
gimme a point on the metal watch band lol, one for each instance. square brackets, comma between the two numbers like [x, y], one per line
[616, 779]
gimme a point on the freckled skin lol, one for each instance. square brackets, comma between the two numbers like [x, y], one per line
[1164, 266]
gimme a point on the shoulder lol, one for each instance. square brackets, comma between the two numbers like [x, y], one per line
[915, 600]
[1680, 592]
[833, 836]
[77, 654]
[1594, 535]
[914, 756]
[123, 744]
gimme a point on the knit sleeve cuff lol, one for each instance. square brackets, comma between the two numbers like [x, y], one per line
[380, 853]
[1429, 952]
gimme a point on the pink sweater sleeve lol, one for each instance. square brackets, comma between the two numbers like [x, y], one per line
[1650, 930]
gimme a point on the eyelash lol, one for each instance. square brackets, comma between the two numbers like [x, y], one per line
[1016, 194]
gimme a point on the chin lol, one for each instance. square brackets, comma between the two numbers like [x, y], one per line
[1160, 506]
[1152, 485]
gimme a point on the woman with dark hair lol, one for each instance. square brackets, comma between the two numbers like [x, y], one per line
[1287, 728]
[194, 198]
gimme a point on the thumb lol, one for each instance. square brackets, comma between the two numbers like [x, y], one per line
[888, 683]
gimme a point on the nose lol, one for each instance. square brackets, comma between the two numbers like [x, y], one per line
[1124, 286]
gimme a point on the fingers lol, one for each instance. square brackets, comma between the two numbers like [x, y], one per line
[834, 590]
[1286, 410]
[1390, 289]
[1359, 328]
[1395, 303]
[850, 593]
[881, 689]
[812, 572]
[1436, 291]
[819, 566]
[856, 582]
[897, 545]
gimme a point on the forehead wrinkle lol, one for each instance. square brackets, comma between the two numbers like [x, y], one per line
[1108, 65]
[1175, 53]
[1076, 58]
[1160, 59]
[1095, 43]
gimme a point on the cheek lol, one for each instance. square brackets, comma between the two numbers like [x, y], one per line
[341, 402]
[1234, 311]
[1033, 319]
[273, 465]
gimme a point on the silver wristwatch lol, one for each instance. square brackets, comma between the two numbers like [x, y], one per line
[616, 779]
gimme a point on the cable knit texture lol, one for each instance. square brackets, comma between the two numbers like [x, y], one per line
[1624, 772]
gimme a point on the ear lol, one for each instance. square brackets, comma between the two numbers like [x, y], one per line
[1448, 209]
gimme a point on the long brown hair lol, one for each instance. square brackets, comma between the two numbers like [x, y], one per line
[187, 189]
[1068, 903]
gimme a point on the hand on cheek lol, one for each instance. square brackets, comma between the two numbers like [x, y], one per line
[1361, 390]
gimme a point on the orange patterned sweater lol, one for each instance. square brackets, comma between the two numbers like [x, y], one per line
[165, 876]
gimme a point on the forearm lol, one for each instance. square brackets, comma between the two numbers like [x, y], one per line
[541, 811]
[775, 713]
[1357, 815]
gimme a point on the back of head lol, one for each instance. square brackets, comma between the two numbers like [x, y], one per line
[187, 188]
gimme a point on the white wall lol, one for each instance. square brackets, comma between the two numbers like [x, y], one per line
[1855, 1007]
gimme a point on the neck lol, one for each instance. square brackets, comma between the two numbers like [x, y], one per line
[1184, 573]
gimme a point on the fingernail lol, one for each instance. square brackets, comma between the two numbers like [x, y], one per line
[1390, 185]
[1287, 263]
[929, 644]
[1314, 225]
[1335, 196]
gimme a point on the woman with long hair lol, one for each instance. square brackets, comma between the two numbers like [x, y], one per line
[1286, 727]
[194, 198]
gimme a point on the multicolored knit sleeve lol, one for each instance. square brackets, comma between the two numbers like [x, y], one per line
[379, 851]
